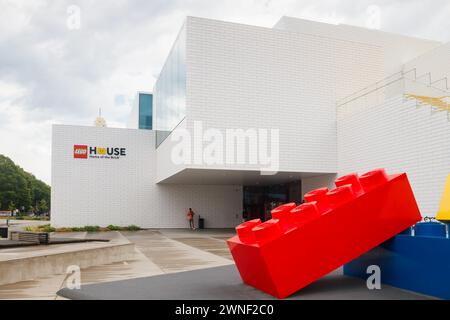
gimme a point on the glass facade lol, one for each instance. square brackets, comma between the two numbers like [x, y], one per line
[170, 90]
[259, 201]
[145, 111]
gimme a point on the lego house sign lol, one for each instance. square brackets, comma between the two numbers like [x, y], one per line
[91, 152]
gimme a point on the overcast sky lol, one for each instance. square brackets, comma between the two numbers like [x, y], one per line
[56, 70]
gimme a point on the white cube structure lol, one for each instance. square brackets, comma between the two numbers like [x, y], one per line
[239, 108]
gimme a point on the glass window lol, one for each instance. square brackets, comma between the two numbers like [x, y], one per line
[145, 111]
[170, 90]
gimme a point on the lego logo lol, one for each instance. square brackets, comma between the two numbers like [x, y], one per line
[80, 152]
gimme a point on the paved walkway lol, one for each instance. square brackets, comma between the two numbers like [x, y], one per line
[157, 252]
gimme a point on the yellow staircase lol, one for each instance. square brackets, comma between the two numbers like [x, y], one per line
[440, 103]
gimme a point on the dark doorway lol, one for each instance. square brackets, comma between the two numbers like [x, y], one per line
[260, 200]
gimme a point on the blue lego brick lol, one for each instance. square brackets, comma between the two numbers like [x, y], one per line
[419, 263]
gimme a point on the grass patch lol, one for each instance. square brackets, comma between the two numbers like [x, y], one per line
[44, 228]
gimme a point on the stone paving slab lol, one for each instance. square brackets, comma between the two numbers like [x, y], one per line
[160, 254]
[163, 249]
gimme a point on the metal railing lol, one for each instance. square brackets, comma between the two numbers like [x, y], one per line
[394, 78]
[161, 136]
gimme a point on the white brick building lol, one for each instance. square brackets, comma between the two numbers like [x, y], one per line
[340, 98]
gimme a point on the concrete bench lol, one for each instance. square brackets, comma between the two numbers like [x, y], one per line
[35, 237]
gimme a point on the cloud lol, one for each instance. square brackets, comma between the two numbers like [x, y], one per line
[50, 73]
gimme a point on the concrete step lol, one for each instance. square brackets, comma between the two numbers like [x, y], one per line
[28, 263]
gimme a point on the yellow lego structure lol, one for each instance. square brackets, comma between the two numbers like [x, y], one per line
[444, 208]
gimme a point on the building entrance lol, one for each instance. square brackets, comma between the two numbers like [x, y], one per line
[260, 200]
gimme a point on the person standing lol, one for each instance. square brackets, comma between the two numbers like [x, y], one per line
[190, 217]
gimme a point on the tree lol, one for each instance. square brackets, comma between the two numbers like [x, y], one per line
[20, 187]
[42, 207]
[11, 206]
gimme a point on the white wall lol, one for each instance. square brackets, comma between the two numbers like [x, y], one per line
[400, 137]
[165, 166]
[312, 183]
[123, 191]
[397, 49]
[133, 118]
[241, 76]
[436, 62]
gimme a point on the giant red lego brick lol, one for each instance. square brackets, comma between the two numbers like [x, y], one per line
[301, 244]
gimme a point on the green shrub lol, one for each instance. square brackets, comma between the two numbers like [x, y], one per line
[132, 228]
[47, 228]
[44, 228]
[91, 228]
[113, 228]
